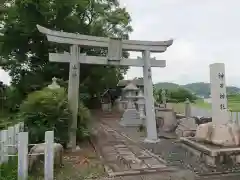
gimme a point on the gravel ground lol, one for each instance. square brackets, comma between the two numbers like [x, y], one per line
[175, 155]
[172, 152]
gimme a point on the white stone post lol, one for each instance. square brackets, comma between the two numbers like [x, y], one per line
[11, 140]
[3, 147]
[187, 108]
[23, 156]
[149, 100]
[218, 93]
[4, 139]
[21, 126]
[16, 131]
[49, 156]
[73, 92]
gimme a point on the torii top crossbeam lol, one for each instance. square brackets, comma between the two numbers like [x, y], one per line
[114, 57]
[95, 41]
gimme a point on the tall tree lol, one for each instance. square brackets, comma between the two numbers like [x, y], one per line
[24, 51]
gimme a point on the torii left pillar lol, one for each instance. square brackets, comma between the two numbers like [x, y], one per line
[73, 92]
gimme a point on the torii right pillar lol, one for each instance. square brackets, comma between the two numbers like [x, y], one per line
[152, 135]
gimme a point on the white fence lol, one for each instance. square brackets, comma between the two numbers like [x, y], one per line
[9, 141]
[14, 142]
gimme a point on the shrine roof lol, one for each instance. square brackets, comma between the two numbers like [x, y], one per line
[136, 82]
[131, 86]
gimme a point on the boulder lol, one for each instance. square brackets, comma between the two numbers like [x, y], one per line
[219, 134]
[186, 127]
[39, 149]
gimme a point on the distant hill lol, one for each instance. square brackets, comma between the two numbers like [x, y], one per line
[166, 85]
[199, 88]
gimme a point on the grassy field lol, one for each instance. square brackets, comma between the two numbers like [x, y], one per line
[233, 104]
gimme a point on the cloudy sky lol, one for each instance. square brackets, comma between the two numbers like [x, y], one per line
[205, 31]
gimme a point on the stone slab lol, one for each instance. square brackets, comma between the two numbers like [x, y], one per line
[211, 154]
[209, 149]
[167, 135]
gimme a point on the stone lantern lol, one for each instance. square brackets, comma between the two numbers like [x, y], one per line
[129, 94]
[141, 106]
[131, 116]
[54, 84]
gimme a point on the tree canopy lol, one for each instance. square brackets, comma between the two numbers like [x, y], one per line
[174, 95]
[24, 50]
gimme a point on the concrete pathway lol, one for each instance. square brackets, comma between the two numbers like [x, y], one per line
[126, 159]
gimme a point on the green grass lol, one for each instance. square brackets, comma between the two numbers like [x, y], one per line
[7, 120]
[201, 104]
[233, 104]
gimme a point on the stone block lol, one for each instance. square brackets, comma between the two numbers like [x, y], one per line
[210, 160]
[203, 132]
[237, 159]
[169, 120]
[219, 134]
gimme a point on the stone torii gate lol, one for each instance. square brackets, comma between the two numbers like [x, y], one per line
[115, 47]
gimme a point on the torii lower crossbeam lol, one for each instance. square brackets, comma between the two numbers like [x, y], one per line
[98, 60]
[75, 59]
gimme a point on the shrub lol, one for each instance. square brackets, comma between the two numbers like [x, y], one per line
[84, 118]
[46, 110]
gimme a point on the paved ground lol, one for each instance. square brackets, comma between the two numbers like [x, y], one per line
[124, 157]
[124, 152]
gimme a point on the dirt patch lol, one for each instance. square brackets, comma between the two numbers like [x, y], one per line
[81, 165]
[84, 164]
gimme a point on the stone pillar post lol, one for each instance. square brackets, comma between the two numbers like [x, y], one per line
[218, 94]
[152, 136]
[164, 100]
[187, 108]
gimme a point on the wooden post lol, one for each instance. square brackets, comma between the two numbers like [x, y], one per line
[73, 92]
[23, 156]
[149, 100]
[49, 156]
